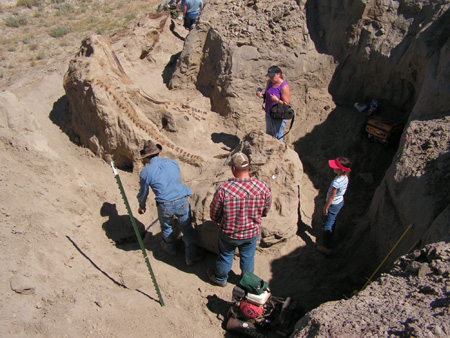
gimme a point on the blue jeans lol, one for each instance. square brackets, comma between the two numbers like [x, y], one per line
[333, 211]
[275, 127]
[189, 20]
[182, 210]
[227, 246]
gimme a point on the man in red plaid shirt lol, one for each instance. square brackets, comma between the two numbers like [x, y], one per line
[238, 207]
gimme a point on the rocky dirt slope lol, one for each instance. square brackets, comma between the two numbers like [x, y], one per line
[411, 301]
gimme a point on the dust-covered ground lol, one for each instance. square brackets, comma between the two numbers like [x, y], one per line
[63, 272]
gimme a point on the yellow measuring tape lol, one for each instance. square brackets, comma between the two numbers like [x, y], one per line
[385, 259]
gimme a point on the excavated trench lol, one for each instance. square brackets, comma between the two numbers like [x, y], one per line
[306, 275]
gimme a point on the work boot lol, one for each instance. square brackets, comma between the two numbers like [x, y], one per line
[324, 250]
[164, 248]
[212, 278]
[326, 247]
[197, 258]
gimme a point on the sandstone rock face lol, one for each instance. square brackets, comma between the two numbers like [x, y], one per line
[109, 113]
[227, 55]
[384, 48]
[398, 53]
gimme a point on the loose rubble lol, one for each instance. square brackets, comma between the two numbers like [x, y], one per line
[411, 301]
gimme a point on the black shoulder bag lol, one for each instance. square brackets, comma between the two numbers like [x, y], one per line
[282, 112]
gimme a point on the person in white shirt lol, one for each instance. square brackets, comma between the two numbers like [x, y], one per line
[335, 200]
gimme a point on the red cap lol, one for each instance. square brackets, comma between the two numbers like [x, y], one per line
[335, 164]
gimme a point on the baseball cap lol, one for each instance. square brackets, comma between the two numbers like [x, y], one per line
[239, 160]
[273, 70]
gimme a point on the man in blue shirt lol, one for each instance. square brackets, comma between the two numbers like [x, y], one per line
[191, 9]
[163, 176]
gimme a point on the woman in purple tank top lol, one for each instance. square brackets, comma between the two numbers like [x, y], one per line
[277, 91]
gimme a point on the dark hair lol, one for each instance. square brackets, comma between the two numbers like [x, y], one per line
[346, 163]
[148, 158]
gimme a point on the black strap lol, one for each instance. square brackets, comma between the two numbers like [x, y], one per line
[292, 122]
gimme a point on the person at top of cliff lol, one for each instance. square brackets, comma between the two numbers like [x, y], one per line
[277, 92]
[191, 9]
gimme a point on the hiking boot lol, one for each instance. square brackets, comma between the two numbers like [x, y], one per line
[200, 255]
[212, 278]
[324, 250]
[163, 247]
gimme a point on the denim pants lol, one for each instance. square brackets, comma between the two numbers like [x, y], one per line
[227, 246]
[275, 127]
[333, 211]
[182, 210]
[189, 20]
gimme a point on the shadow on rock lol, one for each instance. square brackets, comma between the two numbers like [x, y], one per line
[310, 278]
[176, 34]
[60, 115]
[119, 228]
[170, 68]
[230, 141]
[305, 232]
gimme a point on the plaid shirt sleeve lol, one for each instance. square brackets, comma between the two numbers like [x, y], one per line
[268, 202]
[216, 207]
